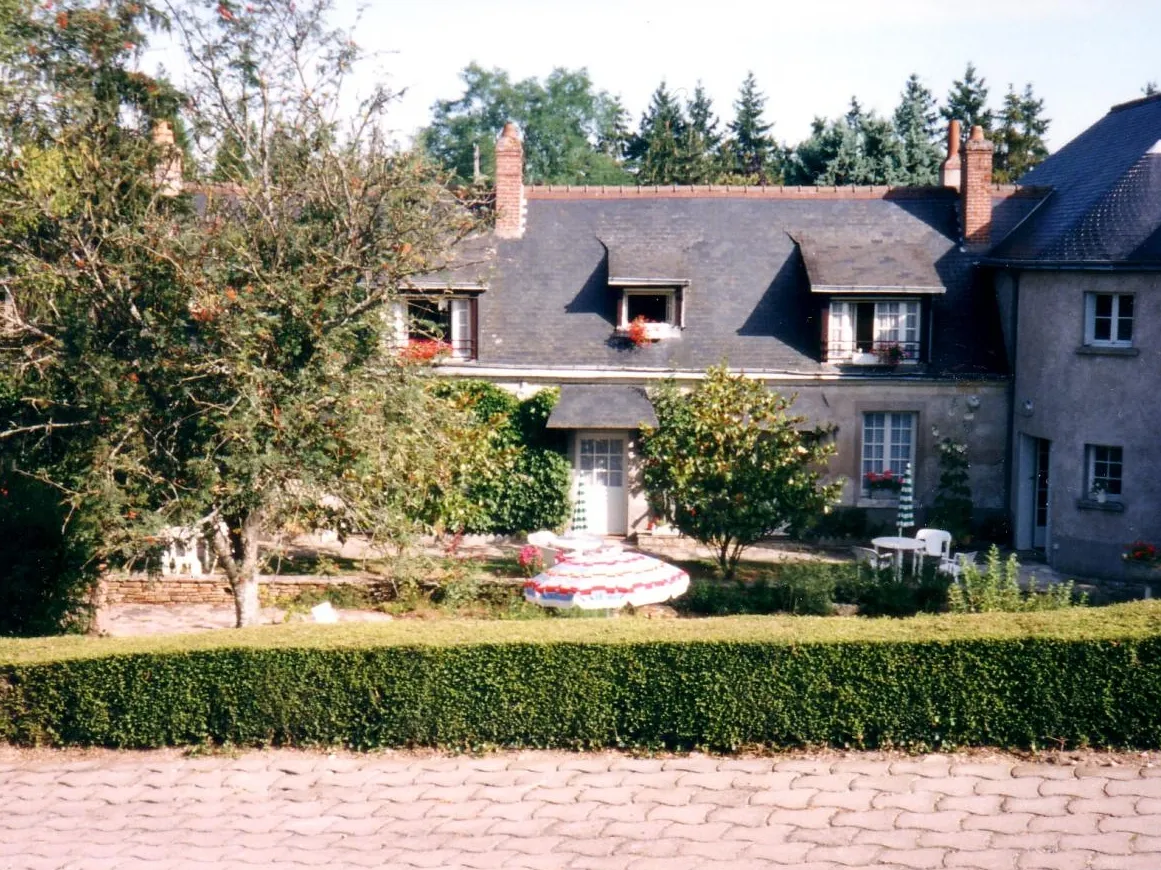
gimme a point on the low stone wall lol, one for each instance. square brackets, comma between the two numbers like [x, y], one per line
[211, 589]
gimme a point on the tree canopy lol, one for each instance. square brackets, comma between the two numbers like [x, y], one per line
[220, 361]
[729, 465]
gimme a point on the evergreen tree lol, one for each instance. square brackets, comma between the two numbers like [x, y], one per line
[968, 102]
[1150, 89]
[859, 148]
[751, 148]
[613, 132]
[656, 150]
[916, 126]
[699, 146]
[1020, 136]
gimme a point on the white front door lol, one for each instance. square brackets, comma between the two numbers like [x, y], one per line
[600, 467]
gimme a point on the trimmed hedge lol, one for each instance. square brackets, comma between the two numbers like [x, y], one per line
[1025, 680]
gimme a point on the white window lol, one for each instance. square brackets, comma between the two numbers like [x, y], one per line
[888, 445]
[439, 323]
[1108, 319]
[1104, 470]
[871, 332]
[659, 308]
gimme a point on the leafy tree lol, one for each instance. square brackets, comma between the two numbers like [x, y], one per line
[730, 466]
[751, 149]
[967, 101]
[571, 130]
[916, 126]
[657, 149]
[221, 367]
[1020, 136]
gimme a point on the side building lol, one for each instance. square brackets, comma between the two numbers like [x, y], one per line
[1079, 285]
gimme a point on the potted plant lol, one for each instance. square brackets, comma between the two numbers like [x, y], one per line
[882, 482]
[891, 353]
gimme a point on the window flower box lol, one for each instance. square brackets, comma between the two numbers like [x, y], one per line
[882, 484]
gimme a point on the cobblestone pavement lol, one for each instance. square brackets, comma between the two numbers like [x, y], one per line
[288, 809]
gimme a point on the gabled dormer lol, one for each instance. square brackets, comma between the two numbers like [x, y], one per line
[874, 294]
[649, 284]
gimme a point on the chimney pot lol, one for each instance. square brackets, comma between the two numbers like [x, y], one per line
[510, 204]
[168, 173]
[949, 170]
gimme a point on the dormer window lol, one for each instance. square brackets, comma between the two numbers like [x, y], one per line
[435, 325]
[873, 331]
[658, 307]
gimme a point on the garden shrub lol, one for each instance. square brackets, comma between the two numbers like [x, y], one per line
[952, 508]
[47, 566]
[812, 595]
[1066, 678]
[996, 588]
[532, 490]
[840, 523]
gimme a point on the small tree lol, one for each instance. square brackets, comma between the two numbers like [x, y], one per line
[952, 509]
[730, 466]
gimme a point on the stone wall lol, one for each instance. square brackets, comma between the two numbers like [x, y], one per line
[214, 589]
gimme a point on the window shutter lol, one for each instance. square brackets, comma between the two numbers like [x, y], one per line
[679, 306]
[825, 337]
[474, 317]
[461, 329]
[399, 324]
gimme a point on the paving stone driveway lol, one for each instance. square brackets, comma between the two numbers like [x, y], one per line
[292, 809]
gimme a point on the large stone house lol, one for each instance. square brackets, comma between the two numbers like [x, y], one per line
[1022, 321]
[864, 302]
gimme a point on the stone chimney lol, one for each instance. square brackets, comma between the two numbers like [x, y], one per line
[949, 171]
[510, 205]
[976, 191]
[167, 174]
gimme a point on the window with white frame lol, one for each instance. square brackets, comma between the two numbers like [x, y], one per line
[873, 331]
[1108, 319]
[1104, 470]
[658, 307]
[888, 445]
[439, 325]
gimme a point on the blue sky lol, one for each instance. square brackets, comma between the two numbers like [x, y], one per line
[809, 57]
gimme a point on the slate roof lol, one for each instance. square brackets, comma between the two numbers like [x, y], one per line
[632, 259]
[549, 303]
[1105, 204]
[584, 406]
[880, 261]
[468, 265]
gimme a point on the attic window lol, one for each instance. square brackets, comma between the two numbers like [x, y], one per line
[660, 307]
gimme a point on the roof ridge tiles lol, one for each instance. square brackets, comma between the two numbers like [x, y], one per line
[717, 191]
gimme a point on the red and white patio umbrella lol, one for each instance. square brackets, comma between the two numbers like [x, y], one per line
[606, 579]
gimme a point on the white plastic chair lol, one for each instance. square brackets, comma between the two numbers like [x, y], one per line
[870, 558]
[955, 565]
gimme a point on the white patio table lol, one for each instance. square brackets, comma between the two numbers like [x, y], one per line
[899, 546]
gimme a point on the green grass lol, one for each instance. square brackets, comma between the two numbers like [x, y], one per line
[1125, 621]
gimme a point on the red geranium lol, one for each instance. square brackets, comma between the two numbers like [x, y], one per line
[1140, 551]
[424, 350]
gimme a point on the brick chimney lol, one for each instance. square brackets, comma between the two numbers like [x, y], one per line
[510, 205]
[949, 170]
[976, 191]
[167, 174]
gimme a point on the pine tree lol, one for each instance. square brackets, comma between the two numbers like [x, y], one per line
[1020, 136]
[750, 147]
[700, 144]
[916, 126]
[613, 132]
[1150, 88]
[968, 102]
[858, 148]
[656, 149]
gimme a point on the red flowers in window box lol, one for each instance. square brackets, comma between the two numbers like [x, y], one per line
[424, 350]
[638, 333]
[883, 480]
[1141, 552]
[892, 353]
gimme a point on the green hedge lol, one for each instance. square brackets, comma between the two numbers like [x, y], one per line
[1063, 678]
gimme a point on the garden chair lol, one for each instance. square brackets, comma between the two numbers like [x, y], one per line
[955, 564]
[936, 542]
[870, 558]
